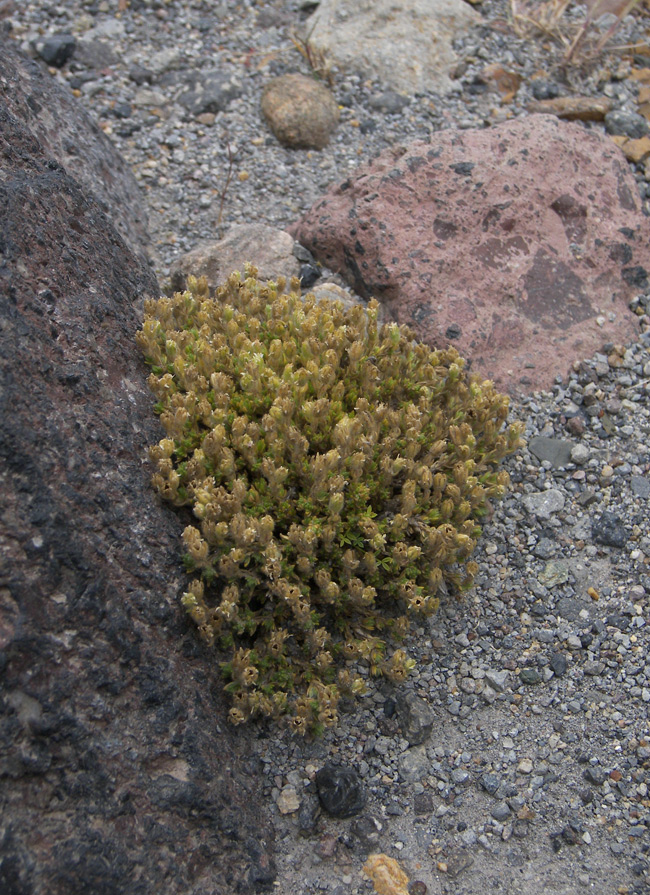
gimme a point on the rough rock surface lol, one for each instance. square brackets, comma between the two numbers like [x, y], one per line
[521, 244]
[268, 248]
[67, 134]
[408, 48]
[117, 773]
[301, 112]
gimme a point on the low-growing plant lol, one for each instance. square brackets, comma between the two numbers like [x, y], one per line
[336, 472]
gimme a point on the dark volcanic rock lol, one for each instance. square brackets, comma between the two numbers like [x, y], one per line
[67, 134]
[340, 791]
[117, 771]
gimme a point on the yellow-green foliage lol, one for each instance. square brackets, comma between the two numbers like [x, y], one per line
[336, 473]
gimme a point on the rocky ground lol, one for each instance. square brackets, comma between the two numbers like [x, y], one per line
[535, 771]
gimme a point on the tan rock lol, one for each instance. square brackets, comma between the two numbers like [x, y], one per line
[268, 248]
[573, 108]
[407, 46]
[503, 80]
[301, 112]
[387, 876]
[288, 801]
[635, 150]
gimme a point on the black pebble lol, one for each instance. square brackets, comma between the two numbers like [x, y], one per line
[609, 530]
[558, 663]
[57, 49]
[340, 791]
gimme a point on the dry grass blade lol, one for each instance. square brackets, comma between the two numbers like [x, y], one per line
[547, 18]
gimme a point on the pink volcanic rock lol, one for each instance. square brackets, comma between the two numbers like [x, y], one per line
[521, 244]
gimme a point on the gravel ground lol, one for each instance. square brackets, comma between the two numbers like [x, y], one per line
[535, 776]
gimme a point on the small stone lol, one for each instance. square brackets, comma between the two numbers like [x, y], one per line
[301, 112]
[413, 764]
[415, 718]
[595, 775]
[530, 676]
[498, 680]
[459, 776]
[640, 485]
[308, 817]
[580, 453]
[575, 426]
[543, 503]
[389, 102]
[554, 573]
[542, 89]
[387, 876]
[367, 831]
[457, 862]
[556, 451]
[58, 49]
[609, 530]
[501, 812]
[593, 668]
[288, 800]
[628, 124]
[574, 642]
[209, 92]
[490, 783]
[340, 790]
[525, 766]
[634, 150]
[558, 664]
[417, 887]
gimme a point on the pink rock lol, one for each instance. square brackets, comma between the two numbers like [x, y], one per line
[521, 244]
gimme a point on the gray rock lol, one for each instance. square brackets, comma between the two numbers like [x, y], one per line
[558, 664]
[530, 676]
[57, 49]
[543, 504]
[580, 453]
[554, 573]
[490, 783]
[366, 831]
[415, 718]
[545, 548]
[501, 812]
[640, 485]
[498, 680]
[556, 450]
[413, 764]
[609, 530]
[570, 608]
[209, 91]
[628, 124]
